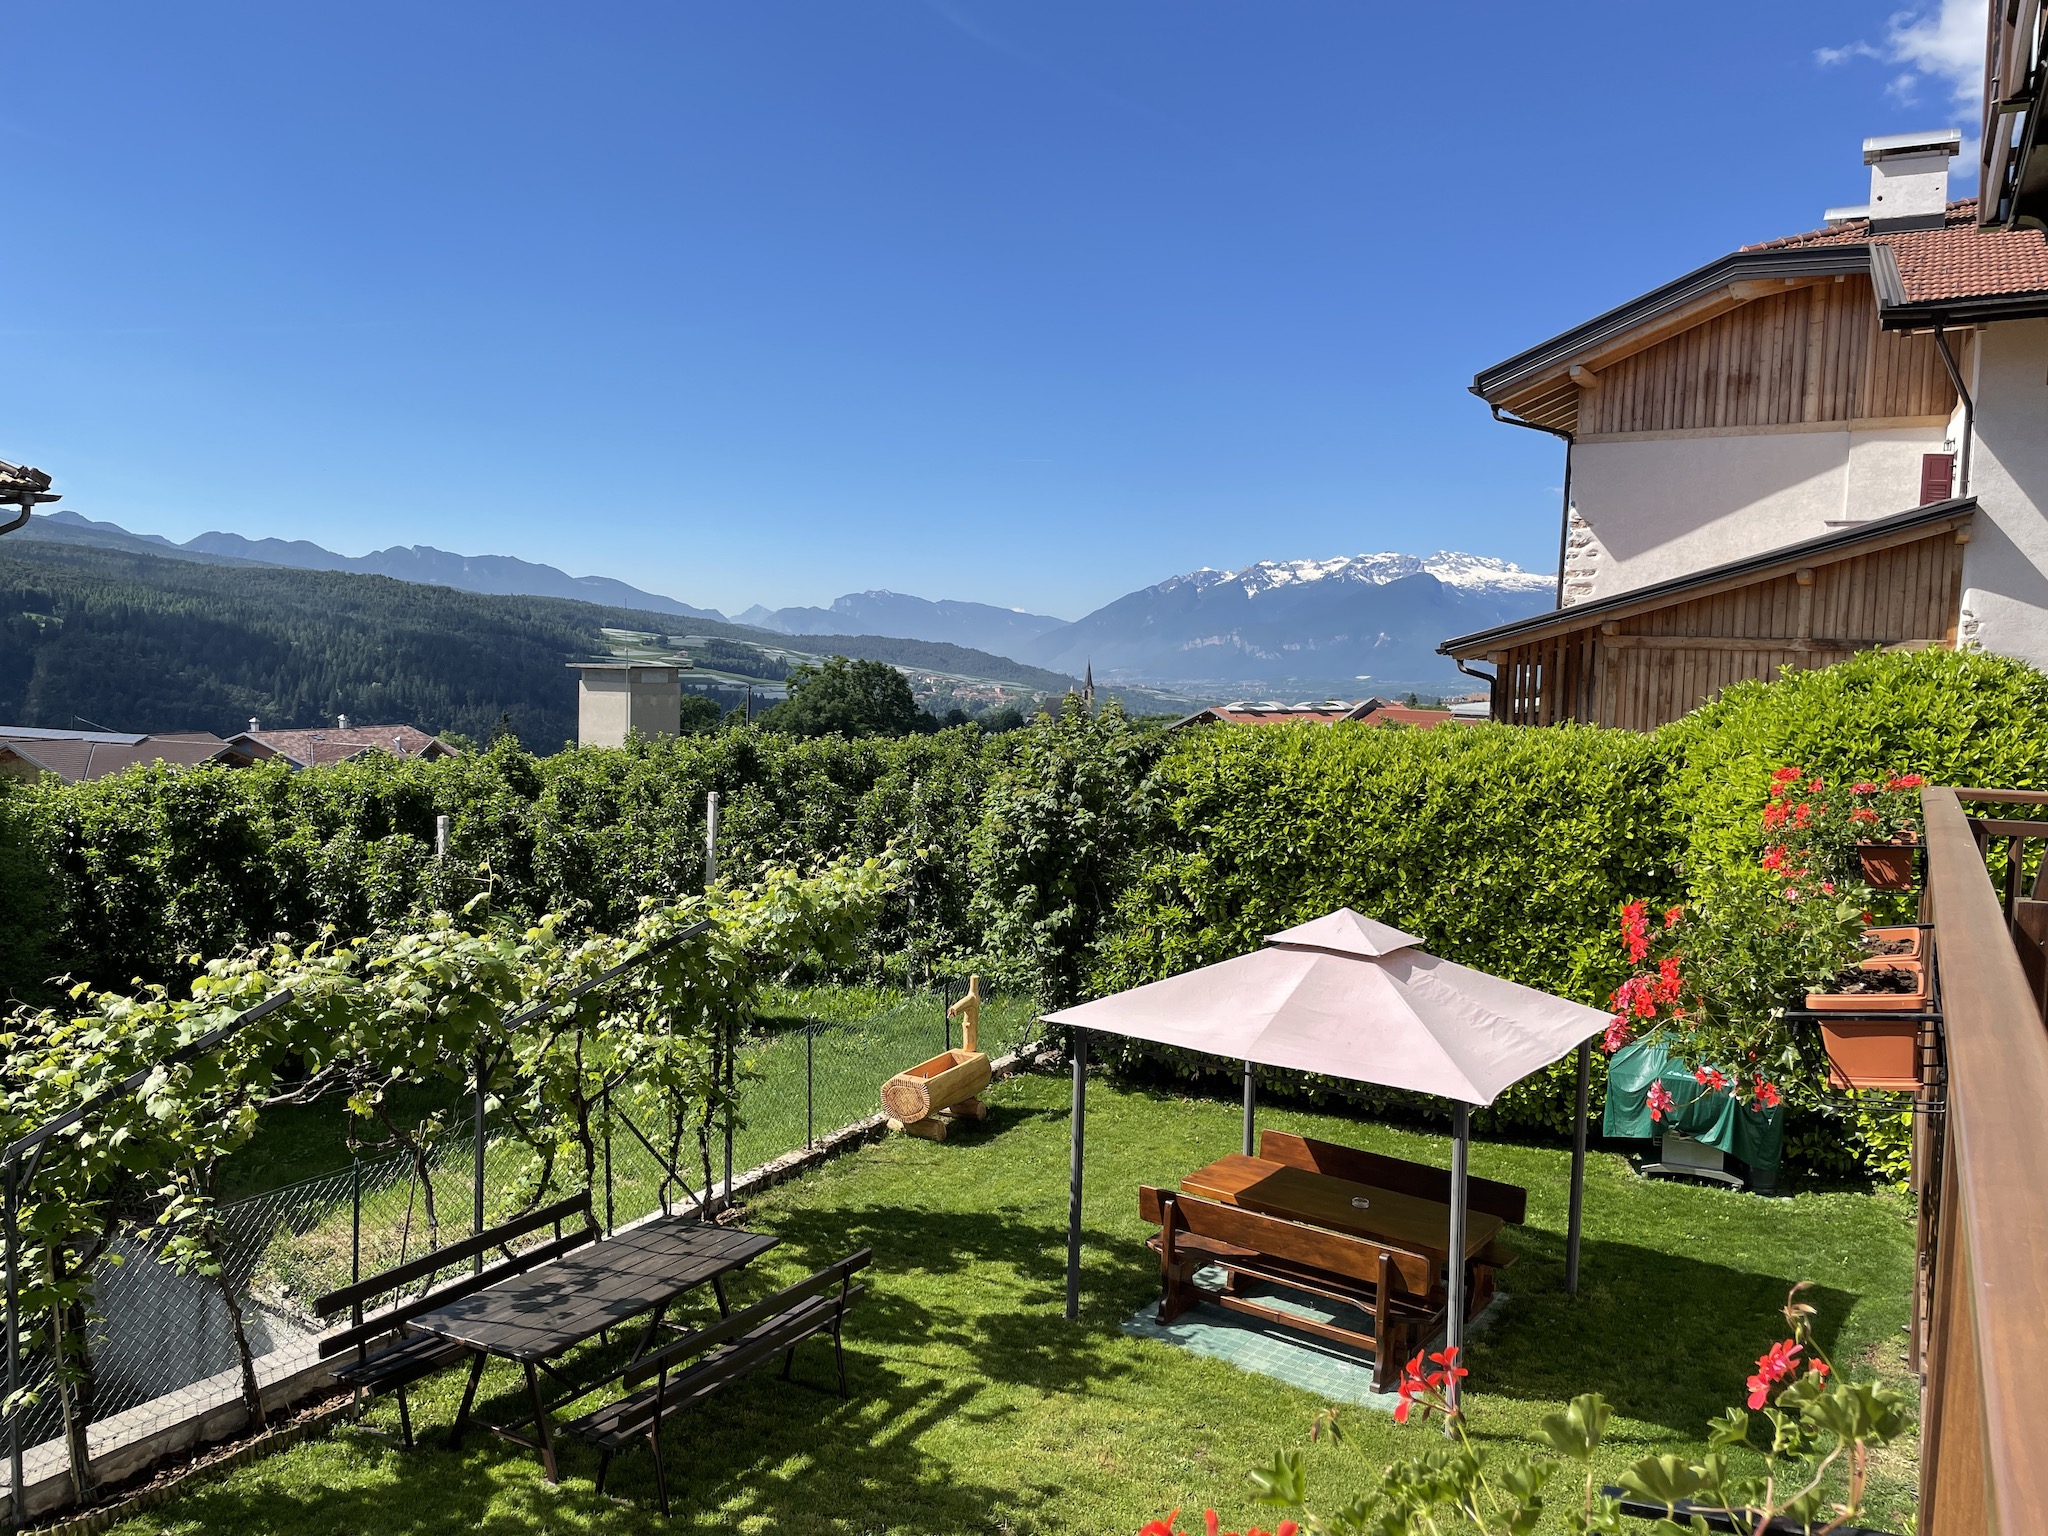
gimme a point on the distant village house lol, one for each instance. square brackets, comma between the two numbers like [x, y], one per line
[343, 742]
[1373, 711]
[28, 752]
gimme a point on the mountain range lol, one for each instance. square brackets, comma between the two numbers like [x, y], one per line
[495, 575]
[1320, 627]
[982, 625]
[1313, 626]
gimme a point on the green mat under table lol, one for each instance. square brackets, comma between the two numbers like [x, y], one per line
[1321, 1366]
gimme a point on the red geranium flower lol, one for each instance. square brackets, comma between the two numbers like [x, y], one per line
[1618, 1034]
[1767, 1095]
[1773, 1366]
[1904, 781]
[1863, 813]
[1672, 915]
[1710, 1077]
[1635, 930]
[1659, 1102]
[1864, 788]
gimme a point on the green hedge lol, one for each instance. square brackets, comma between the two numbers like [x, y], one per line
[1956, 717]
[1077, 855]
[1508, 850]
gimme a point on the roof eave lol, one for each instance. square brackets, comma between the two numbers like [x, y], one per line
[1479, 642]
[1966, 311]
[1525, 367]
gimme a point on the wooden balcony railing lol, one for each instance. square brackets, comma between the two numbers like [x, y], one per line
[1981, 1169]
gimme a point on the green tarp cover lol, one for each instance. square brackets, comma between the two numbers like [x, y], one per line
[1712, 1115]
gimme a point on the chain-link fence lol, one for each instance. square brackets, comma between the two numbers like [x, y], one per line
[814, 1063]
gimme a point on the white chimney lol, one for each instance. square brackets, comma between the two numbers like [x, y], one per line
[341, 722]
[255, 725]
[1908, 181]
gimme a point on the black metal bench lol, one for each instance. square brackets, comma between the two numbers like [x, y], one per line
[411, 1356]
[730, 1350]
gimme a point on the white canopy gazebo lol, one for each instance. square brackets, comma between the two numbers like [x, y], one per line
[1349, 997]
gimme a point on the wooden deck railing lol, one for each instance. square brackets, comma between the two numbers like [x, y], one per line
[1982, 1172]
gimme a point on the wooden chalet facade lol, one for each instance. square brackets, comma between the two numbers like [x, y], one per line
[1642, 658]
[1810, 447]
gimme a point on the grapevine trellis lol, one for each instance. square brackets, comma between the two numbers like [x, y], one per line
[121, 1103]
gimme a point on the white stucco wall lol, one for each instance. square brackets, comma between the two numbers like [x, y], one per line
[1650, 508]
[2005, 569]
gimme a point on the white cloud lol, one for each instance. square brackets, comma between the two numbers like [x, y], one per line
[1940, 46]
[1942, 43]
[1946, 44]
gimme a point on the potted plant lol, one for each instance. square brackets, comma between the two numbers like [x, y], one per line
[1885, 814]
[1901, 943]
[1717, 976]
[1866, 1048]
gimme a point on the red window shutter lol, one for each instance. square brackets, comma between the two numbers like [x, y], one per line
[1937, 477]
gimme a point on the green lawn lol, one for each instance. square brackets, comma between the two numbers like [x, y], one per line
[977, 1408]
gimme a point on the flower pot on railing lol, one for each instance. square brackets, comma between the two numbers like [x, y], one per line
[1886, 944]
[1867, 1050]
[1890, 866]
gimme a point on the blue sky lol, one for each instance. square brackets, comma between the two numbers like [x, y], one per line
[1024, 301]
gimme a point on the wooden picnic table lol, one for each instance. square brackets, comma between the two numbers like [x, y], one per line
[1413, 1222]
[534, 1317]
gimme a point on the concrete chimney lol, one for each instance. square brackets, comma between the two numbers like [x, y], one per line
[616, 698]
[1908, 181]
[255, 725]
[341, 722]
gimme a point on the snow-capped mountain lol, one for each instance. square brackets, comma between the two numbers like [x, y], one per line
[1358, 623]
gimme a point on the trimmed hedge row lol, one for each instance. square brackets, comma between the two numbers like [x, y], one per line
[1508, 850]
[1075, 856]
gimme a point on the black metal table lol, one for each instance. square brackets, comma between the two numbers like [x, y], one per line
[532, 1318]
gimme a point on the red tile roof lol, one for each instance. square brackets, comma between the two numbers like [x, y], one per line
[75, 755]
[1957, 261]
[310, 749]
[1402, 714]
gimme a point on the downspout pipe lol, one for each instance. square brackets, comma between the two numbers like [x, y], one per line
[1955, 377]
[1483, 677]
[1564, 517]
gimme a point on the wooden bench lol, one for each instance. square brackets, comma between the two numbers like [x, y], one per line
[409, 1356]
[1510, 1202]
[730, 1350]
[1390, 1284]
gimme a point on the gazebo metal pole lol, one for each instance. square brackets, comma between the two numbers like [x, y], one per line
[1578, 1212]
[1251, 1084]
[1080, 1116]
[1454, 1322]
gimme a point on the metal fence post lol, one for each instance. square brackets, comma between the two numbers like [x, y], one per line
[609, 1220]
[810, 1083]
[710, 839]
[355, 1218]
[731, 1079]
[477, 1202]
[17, 1503]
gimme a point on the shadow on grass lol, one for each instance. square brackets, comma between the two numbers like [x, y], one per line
[1665, 1338]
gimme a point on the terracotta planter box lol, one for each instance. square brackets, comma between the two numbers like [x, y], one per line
[1879, 1054]
[1890, 866]
[1913, 936]
[1914, 1001]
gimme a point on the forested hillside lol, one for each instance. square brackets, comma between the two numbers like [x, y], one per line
[135, 642]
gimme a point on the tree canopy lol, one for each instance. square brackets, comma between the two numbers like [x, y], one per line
[849, 698]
